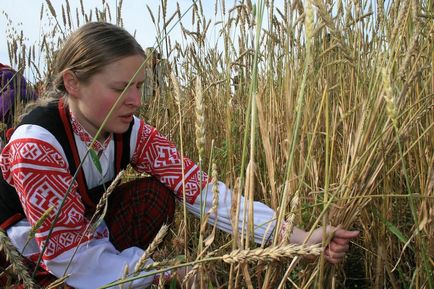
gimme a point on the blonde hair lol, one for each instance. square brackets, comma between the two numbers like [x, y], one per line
[88, 50]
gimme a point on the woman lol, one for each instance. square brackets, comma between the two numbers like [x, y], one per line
[93, 68]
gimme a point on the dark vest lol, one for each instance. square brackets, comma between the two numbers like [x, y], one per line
[56, 119]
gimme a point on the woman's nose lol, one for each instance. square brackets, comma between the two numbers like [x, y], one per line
[134, 97]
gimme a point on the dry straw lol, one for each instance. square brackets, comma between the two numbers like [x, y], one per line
[177, 97]
[58, 282]
[161, 281]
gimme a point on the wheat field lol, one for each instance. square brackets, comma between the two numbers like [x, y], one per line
[323, 110]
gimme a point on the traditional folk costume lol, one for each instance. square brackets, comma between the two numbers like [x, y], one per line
[38, 165]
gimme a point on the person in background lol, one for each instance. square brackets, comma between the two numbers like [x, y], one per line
[99, 67]
[15, 92]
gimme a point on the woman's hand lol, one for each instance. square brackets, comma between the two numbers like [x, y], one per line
[339, 242]
[336, 238]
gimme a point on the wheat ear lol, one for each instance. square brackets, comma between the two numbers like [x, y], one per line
[271, 254]
[151, 248]
[16, 260]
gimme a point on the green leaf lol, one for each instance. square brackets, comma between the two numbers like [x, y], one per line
[179, 259]
[392, 228]
[173, 284]
[95, 160]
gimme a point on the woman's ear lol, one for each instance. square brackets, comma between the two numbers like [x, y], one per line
[71, 83]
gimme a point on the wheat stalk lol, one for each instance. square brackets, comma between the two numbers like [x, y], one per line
[177, 97]
[58, 282]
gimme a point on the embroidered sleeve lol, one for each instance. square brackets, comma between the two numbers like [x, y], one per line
[264, 219]
[40, 175]
[157, 156]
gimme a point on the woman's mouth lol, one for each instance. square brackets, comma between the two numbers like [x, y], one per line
[126, 117]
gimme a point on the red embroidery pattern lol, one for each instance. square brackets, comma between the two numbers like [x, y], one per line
[79, 130]
[41, 177]
[157, 156]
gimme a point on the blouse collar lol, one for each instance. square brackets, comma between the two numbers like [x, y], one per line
[85, 137]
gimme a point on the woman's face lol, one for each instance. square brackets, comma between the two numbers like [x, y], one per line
[94, 99]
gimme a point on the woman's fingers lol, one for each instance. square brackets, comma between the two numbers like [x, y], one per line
[344, 234]
[339, 245]
[334, 254]
[333, 260]
[338, 248]
[340, 241]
